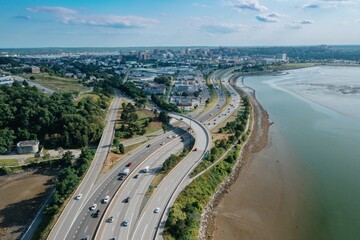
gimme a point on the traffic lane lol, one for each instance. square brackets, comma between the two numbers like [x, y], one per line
[70, 212]
[144, 149]
[135, 189]
[160, 198]
[163, 193]
[82, 227]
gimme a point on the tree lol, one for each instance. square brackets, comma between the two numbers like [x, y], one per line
[121, 148]
[6, 139]
[196, 93]
[68, 158]
[164, 117]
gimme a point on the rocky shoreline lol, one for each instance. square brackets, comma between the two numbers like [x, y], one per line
[257, 140]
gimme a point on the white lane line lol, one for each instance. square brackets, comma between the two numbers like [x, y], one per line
[108, 191]
[142, 236]
[86, 229]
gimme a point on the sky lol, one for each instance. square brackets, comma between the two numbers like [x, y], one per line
[131, 23]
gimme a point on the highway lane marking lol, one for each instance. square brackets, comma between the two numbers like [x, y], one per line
[108, 191]
[142, 235]
[86, 229]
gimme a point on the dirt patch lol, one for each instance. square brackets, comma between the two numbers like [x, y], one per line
[21, 197]
[110, 160]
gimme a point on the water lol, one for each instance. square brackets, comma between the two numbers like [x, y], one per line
[321, 126]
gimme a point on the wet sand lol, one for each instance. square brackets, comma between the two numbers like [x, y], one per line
[259, 203]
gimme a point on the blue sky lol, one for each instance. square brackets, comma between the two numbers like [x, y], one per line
[121, 23]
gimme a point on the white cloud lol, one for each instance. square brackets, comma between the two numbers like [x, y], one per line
[52, 10]
[70, 16]
[252, 5]
[304, 22]
[109, 21]
[266, 19]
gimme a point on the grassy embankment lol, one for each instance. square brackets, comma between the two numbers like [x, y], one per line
[289, 66]
[59, 84]
[8, 162]
[184, 218]
[144, 117]
[213, 95]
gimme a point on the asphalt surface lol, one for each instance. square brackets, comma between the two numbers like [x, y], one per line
[72, 209]
[76, 222]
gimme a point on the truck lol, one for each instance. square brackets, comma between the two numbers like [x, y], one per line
[146, 169]
[126, 171]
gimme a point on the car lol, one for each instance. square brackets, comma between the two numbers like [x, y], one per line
[125, 223]
[175, 136]
[78, 197]
[195, 149]
[209, 123]
[114, 238]
[162, 143]
[85, 238]
[136, 176]
[128, 165]
[106, 199]
[96, 214]
[121, 177]
[93, 207]
[111, 219]
[181, 119]
[156, 210]
[148, 145]
[126, 200]
[169, 136]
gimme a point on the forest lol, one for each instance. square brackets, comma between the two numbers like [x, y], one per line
[57, 120]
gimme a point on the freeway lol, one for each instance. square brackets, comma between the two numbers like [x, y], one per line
[82, 223]
[72, 208]
[129, 200]
[145, 226]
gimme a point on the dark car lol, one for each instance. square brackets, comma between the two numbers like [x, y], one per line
[121, 177]
[148, 145]
[136, 176]
[128, 165]
[96, 214]
[126, 200]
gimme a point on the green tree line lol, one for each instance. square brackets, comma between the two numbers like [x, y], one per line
[56, 120]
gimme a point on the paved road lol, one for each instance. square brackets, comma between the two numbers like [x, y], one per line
[71, 211]
[135, 189]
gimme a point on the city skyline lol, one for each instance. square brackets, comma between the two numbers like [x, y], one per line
[178, 23]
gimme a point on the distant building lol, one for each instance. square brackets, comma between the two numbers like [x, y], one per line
[35, 69]
[158, 89]
[8, 80]
[31, 146]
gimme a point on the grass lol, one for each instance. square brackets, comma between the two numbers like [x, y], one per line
[58, 84]
[8, 162]
[288, 66]
[213, 96]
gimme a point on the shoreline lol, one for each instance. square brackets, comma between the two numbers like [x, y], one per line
[257, 140]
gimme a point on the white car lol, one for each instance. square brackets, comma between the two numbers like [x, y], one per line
[78, 197]
[111, 219]
[156, 210]
[106, 199]
[93, 207]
